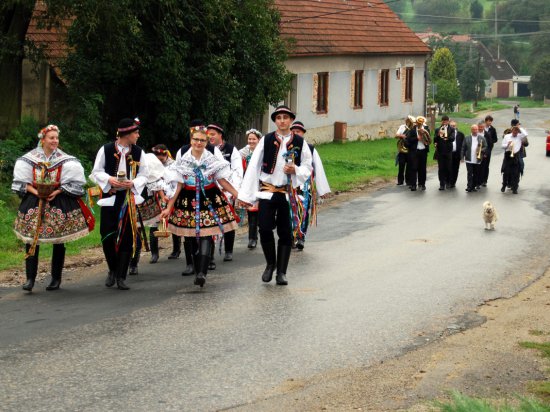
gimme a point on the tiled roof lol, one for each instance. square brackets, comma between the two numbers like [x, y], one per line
[457, 38]
[343, 27]
[52, 40]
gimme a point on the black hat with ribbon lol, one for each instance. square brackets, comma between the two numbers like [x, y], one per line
[127, 126]
[298, 125]
[282, 109]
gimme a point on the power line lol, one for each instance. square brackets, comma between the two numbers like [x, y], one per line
[475, 20]
[369, 4]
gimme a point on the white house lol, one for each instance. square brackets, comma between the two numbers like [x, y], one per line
[354, 62]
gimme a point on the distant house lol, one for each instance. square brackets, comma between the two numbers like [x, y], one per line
[354, 61]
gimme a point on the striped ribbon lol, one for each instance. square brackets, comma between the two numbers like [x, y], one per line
[199, 187]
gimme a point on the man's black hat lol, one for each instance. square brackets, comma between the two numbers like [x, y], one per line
[127, 126]
[282, 109]
[298, 125]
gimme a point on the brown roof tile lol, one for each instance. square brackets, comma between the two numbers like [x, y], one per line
[338, 27]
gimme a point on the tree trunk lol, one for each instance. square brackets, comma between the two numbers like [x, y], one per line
[14, 22]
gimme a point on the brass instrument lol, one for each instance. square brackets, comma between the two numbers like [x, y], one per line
[478, 152]
[511, 146]
[409, 123]
[422, 133]
[443, 132]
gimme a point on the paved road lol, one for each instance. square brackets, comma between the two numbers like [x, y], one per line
[380, 275]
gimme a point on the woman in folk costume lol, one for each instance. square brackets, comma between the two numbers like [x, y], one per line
[253, 136]
[51, 184]
[120, 170]
[149, 210]
[316, 186]
[198, 208]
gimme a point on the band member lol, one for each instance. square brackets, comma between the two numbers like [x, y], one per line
[512, 144]
[491, 137]
[316, 185]
[444, 137]
[253, 136]
[198, 210]
[402, 150]
[525, 143]
[472, 153]
[120, 170]
[50, 183]
[418, 145]
[280, 163]
[457, 149]
[216, 136]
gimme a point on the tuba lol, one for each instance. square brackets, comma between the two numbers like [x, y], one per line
[422, 133]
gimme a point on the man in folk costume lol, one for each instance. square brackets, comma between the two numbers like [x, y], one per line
[280, 164]
[120, 170]
[216, 135]
[176, 240]
[316, 186]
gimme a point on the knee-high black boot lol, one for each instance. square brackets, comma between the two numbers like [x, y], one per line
[111, 258]
[283, 255]
[270, 259]
[31, 268]
[252, 229]
[122, 268]
[154, 245]
[58, 260]
[203, 259]
[176, 247]
[229, 239]
[188, 248]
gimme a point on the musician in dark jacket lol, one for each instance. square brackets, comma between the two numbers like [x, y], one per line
[444, 137]
[457, 148]
[491, 137]
[418, 143]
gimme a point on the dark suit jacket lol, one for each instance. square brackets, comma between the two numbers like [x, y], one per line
[444, 146]
[491, 137]
[459, 142]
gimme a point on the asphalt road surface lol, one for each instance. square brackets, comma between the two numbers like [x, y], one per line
[380, 275]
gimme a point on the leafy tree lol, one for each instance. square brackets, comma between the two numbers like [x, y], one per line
[448, 94]
[15, 16]
[476, 9]
[471, 82]
[540, 79]
[442, 65]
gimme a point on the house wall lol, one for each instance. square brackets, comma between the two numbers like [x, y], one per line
[372, 120]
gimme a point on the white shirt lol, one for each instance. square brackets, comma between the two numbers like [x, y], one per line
[249, 189]
[510, 138]
[321, 180]
[101, 177]
[473, 150]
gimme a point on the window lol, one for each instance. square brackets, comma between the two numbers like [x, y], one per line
[383, 87]
[358, 90]
[322, 93]
[409, 84]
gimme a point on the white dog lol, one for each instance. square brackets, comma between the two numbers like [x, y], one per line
[489, 215]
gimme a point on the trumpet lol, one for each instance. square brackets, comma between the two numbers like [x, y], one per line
[511, 146]
[478, 152]
[443, 132]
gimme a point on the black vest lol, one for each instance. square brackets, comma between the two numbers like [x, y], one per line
[186, 147]
[112, 161]
[271, 150]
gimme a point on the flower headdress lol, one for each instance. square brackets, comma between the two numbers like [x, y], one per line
[254, 131]
[42, 133]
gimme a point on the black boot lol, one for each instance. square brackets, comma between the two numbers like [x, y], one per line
[188, 248]
[252, 229]
[134, 261]
[154, 245]
[122, 269]
[111, 278]
[270, 259]
[203, 260]
[31, 268]
[212, 263]
[229, 239]
[58, 260]
[283, 255]
[176, 247]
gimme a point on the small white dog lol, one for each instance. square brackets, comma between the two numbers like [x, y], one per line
[489, 215]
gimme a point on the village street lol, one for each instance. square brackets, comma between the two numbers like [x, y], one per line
[381, 274]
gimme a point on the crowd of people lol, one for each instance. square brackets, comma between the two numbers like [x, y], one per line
[452, 147]
[200, 195]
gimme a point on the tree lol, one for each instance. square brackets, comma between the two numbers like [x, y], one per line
[471, 83]
[169, 61]
[15, 16]
[442, 65]
[448, 94]
[540, 79]
[476, 9]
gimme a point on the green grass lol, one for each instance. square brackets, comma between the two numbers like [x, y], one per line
[544, 348]
[12, 250]
[359, 162]
[462, 403]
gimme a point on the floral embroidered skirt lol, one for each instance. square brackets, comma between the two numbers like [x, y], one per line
[62, 220]
[182, 220]
[150, 211]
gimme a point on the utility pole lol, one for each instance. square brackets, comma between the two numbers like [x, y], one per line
[496, 31]
[477, 77]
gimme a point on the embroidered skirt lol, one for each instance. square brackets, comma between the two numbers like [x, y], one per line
[150, 211]
[182, 220]
[62, 221]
